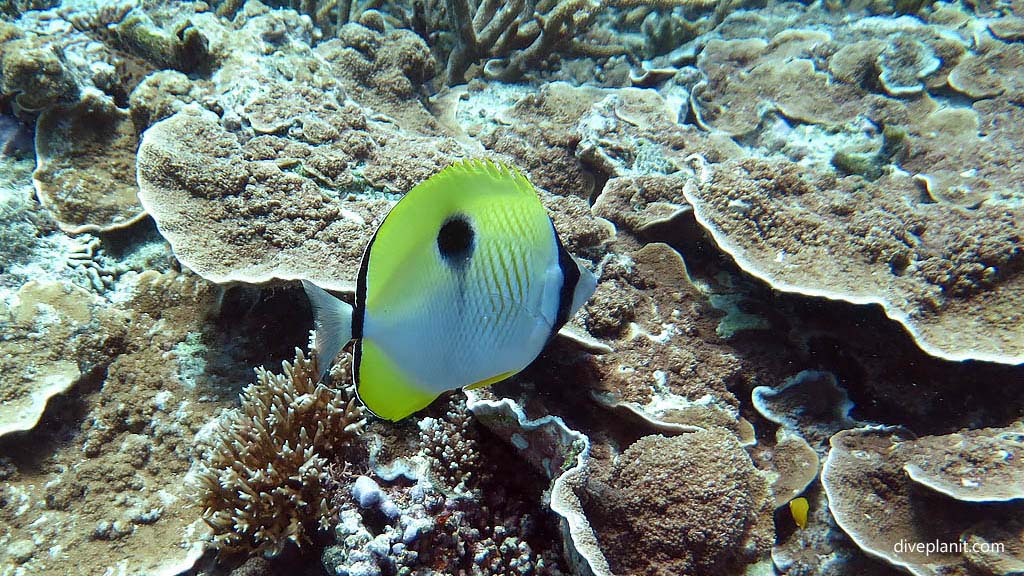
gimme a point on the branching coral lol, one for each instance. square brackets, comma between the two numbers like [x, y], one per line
[451, 448]
[263, 483]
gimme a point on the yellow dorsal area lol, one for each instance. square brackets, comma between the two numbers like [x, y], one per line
[489, 381]
[406, 240]
[798, 507]
[384, 388]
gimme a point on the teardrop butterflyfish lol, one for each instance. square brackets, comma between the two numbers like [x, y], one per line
[462, 285]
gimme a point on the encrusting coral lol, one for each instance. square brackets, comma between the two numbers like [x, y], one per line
[263, 483]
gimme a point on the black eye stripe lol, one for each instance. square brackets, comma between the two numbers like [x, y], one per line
[455, 239]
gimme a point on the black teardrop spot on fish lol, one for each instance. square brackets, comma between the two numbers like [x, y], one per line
[455, 240]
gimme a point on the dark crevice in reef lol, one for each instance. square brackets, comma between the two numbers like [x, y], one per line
[258, 327]
[886, 374]
[59, 422]
[120, 243]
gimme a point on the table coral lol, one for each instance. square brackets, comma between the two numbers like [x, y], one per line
[793, 464]
[971, 172]
[877, 505]
[41, 330]
[384, 70]
[297, 128]
[971, 465]
[85, 167]
[991, 73]
[641, 202]
[35, 76]
[940, 273]
[177, 182]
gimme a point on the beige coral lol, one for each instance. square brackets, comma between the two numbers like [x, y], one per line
[86, 167]
[40, 349]
[263, 483]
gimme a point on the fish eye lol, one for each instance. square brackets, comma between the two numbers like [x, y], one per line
[455, 239]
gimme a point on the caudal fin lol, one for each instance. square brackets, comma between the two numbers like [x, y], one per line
[332, 320]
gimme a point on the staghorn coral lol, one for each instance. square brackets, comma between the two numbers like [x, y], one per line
[512, 39]
[263, 482]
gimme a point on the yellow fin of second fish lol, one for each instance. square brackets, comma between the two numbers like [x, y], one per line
[384, 388]
[798, 508]
[489, 381]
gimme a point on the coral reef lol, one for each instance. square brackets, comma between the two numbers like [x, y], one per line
[812, 404]
[100, 481]
[177, 181]
[411, 517]
[931, 268]
[971, 466]
[877, 505]
[805, 219]
[85, 167]
[44, 331]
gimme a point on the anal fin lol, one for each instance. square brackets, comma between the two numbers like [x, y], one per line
[491, 380]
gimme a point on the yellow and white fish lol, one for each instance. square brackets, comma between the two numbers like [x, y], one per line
[463, 284]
